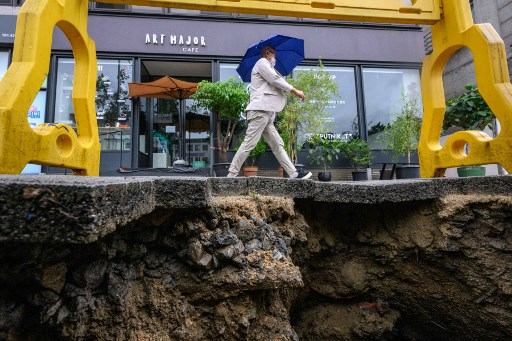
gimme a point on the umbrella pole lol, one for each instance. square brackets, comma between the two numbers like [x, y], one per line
[182, 129]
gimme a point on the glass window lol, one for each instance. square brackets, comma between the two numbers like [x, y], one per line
[250, 16]
[117, 7]
[343, 110]
[228, 71]
[4, 63]
[64, 112]
[383, 90]
[184, 11]
[148, 9]
[113, 106]
[6, 2]
[216, 14]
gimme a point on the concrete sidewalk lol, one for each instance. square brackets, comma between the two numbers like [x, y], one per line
[36, 208]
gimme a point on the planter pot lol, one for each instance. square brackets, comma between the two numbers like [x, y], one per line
[221, 169]
[407, 171]
[250, 170]
[359, 176]
[471, 171]
[324, 176]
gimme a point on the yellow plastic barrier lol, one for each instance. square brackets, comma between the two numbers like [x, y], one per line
[49, 144]
[455, 31]
[58, 145]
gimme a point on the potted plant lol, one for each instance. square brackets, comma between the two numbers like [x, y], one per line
[402, 136]
[250, 167]
[306, 118]
[323, 153]
[358, 152]
[468, 111]
[226, 100]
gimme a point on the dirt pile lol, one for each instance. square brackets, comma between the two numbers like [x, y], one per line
[270, 268]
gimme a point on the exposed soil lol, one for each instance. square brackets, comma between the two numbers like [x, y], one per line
[269, 268]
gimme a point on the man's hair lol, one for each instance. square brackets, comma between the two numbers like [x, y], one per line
[264, 50]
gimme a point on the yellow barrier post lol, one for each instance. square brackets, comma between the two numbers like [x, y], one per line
[49, 144]
[455, 31]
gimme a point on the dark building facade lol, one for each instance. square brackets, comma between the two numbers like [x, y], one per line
[372, 64]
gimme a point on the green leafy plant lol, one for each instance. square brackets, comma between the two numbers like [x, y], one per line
[358, 152]
[324, 152]
[468, 111]
[226, 100]
[308, 117]
[402, 134]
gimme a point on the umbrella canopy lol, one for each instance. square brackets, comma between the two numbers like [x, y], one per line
[289, 53]
[165, 87]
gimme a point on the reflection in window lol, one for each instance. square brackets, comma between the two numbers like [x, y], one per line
[102, 6]
[382, 97]
[4, 63]
[184, 11]
[250, 16]
[113, 106]
[228, 71]
[148, 9]
[197, 128]
[216, 14]
[343, 109]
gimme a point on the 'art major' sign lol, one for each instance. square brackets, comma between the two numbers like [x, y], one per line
[188, 43]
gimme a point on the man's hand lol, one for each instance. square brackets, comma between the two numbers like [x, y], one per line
[298, 93]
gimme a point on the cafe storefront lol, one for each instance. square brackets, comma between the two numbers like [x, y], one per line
[372, 65]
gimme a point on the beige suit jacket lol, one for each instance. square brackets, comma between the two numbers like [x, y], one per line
[268, 88]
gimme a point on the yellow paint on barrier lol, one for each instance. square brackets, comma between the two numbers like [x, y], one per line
[59, 145]
[49, 144]
[455, 31]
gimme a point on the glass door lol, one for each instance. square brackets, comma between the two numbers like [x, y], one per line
[197, 136]
[172, 131]
[165, 132]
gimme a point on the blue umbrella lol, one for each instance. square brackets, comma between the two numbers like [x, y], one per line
[289, 53]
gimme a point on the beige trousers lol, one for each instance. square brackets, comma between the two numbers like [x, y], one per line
[261, 123]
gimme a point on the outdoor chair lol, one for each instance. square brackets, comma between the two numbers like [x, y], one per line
[385, 173]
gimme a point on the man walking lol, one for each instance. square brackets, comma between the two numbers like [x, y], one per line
[268, 96]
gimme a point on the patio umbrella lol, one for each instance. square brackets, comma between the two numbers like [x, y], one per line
[167, 87]
[289, 53]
